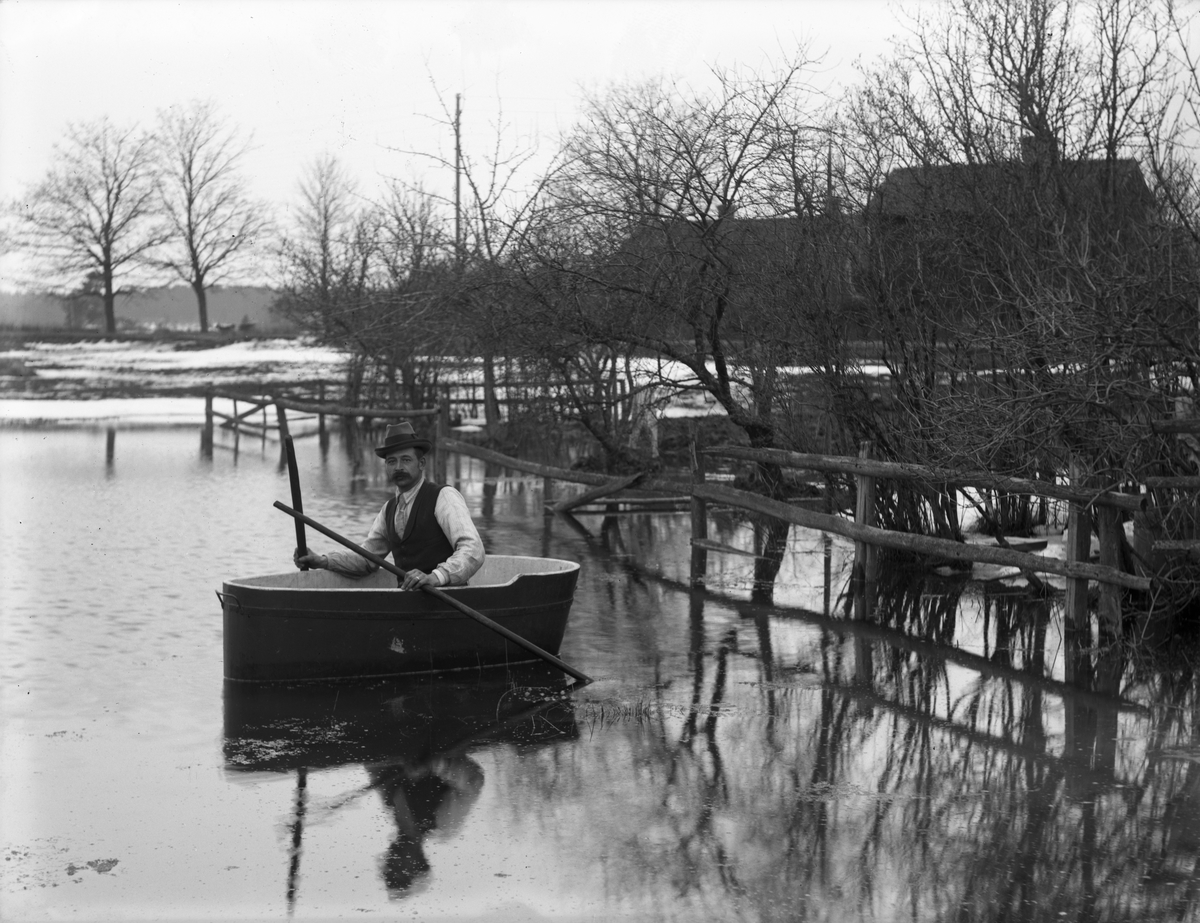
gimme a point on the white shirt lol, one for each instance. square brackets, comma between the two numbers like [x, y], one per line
[452, 517]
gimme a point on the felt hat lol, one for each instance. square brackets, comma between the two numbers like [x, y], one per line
[401, 436]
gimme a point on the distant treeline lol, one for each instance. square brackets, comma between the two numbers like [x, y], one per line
[171, 306]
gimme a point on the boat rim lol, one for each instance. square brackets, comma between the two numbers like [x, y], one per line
[563, 566]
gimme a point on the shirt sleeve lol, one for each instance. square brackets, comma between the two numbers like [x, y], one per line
[454, 519]
[353, 564]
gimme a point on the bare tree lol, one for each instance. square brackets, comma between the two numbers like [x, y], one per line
[1022, 285]
[372, 279]
[95, 209]
[491, 215]
[325, 260]
[673, 231]
[215, 222]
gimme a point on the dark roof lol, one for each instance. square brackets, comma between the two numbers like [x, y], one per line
[735, 234]
[911, 192]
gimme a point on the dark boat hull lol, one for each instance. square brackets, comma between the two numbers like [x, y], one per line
[315, 625]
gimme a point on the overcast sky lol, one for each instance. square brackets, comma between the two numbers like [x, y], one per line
[357, 78]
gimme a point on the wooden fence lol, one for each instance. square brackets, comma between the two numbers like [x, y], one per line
[1102, 506]
[702, 492]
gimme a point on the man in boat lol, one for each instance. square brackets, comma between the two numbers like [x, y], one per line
[426, 527]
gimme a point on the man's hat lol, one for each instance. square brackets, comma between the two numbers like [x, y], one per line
[401, 436]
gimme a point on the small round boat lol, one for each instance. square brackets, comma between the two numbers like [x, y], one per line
[320, 625]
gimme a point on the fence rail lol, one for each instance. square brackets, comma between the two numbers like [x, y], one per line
[1106, 505]
[824, 522]
[1133, 503]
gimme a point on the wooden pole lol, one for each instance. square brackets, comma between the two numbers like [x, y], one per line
[442, 595]
[322, 436]
[442, 433]
[547, 495]
[206, 434]
[297, 503]
[284, 435]
[865, 556]
[1111, 534]
[1077, 547]
[699, 509]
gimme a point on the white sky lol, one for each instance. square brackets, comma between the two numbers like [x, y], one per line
[356, 77]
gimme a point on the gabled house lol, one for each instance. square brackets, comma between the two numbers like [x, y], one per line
[944, 190]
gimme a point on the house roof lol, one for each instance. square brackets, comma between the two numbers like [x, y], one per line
[910, 192]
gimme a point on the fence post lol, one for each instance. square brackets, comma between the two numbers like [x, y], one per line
[547, 498]
[206, 434]
[322, 436]
[1109, 526]
[442, 433]
[699, 507]
[1078, 546]
[865, 555]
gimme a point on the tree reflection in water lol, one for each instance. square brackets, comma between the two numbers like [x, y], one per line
[928, 764]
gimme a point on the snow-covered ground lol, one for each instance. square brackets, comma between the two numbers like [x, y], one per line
[128, 411]
[175, 363]
[114, 381]
[58, 383]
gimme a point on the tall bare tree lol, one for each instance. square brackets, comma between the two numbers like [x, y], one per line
[496, 197]
[672, 231]
[203, 197]
[324, 256]
[1016, 234]
[95, 210]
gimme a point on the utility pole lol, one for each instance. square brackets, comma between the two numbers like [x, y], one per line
[458, 243]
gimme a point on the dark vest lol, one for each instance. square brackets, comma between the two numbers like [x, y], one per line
[424, 545]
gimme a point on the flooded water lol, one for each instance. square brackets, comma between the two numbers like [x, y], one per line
[735, 760]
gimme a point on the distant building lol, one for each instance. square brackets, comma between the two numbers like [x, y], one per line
[1013, 187]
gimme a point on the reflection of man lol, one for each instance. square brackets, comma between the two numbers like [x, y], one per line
[426, 527]
[428, 801]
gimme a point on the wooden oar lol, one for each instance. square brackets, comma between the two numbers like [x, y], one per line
[443, 596]
[294, 477]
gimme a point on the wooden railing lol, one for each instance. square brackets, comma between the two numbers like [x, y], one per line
[711, 493]
[1105, 505]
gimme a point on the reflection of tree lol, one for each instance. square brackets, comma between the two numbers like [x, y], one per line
[783, 783]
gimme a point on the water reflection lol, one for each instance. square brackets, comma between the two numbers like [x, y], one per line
[412, 738]
[970, 799]
[935, 749]
[925, 747]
